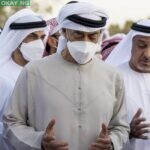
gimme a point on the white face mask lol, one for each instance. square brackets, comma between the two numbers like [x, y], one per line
[32, 50]
[82, 51]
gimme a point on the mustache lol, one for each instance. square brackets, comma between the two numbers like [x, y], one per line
[146, 59]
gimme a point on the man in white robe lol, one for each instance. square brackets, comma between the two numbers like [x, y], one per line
[70, 100]
[21, 29]
[135, 69]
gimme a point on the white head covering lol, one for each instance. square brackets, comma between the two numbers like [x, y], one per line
[11, 39]
[53, 26]
[122, 52]
[81, 9]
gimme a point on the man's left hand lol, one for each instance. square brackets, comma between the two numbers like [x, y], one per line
[103, 142]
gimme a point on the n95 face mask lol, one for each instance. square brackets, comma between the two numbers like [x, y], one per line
[32, 50]
[82, 51]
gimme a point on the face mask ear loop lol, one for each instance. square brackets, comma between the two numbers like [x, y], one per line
[100, 38]
[99, 41]
[19, 47]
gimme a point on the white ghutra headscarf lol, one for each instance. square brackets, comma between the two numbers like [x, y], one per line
[122, 52]
[11, 39]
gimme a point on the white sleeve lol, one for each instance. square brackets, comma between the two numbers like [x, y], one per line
[16, 129]
[119, 127]
[5, 93]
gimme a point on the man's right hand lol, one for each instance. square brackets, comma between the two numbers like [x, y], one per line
[49, 142]
[103, 142]
[138, 127]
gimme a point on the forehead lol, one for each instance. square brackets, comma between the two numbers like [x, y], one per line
[82, 32]
[39, 33]
[57, 33]
[141, 38]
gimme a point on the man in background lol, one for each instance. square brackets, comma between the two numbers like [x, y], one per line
[21, 42]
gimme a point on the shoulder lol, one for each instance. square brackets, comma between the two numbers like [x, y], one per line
[5, 86]
[43, 62]
[106, 68]
[4, 82]
[124, 69]
[41, 65]
[109, 74]
[123, 66]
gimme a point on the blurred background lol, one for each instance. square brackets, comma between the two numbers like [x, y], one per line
[122, 12]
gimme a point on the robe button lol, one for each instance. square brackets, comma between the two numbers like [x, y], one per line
[79, 126]
[79, 109]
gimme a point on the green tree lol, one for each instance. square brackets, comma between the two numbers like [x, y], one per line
[3, 15]
[6, 11]
[127, 26]
[114, 28]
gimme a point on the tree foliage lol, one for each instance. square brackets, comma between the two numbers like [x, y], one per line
[115, 28]
[6, 11]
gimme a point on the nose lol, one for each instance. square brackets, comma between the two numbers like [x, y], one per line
[147, 54]
[86, 38]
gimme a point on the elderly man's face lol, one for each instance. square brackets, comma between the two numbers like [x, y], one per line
[74, 35]
[140, 59]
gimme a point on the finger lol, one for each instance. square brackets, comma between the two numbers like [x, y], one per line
[104, 141]
[143, 137]
[104, 131]
[63, 148]
[50, 127]
[136, 127]
[138, 113]
[48, 138]
[138, 121]
[102, 146]
[90, 148]
[47, 146]
[142, 126]
[55, 144]
[141, 132]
